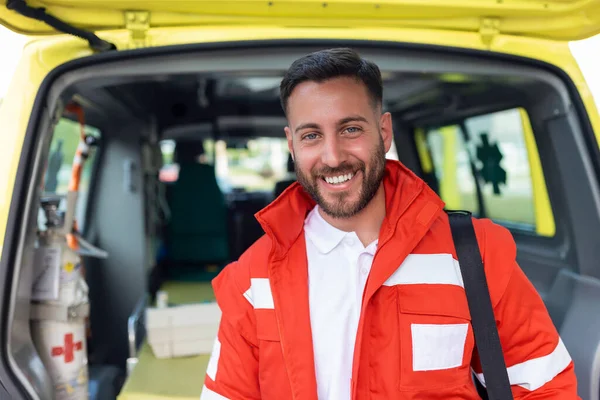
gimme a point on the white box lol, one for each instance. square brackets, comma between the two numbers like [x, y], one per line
[162, 350]
[183, 330]
[193, 347]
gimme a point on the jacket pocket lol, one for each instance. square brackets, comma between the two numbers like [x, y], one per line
[266, 325]
[436, 336]
[272, 374]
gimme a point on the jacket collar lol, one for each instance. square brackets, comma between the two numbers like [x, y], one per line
[283, 219]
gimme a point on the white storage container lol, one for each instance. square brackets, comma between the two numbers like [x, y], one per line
[183, 330]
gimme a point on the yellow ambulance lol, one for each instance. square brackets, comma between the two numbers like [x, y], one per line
[489, 105]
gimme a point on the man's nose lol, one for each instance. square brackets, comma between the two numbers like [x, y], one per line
[332, 153]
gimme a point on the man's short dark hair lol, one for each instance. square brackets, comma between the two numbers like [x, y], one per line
[328, 64]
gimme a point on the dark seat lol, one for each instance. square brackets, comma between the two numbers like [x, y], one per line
[197, 230]
[105, 382]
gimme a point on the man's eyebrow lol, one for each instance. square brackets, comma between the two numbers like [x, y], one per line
[308, 125]
[352, 118]
[343, 121]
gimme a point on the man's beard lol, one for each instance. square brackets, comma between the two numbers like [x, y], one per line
[340, 207]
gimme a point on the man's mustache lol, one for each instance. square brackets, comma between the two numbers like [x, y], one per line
[342, 169]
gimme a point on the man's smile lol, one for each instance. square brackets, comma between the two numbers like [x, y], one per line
[339, 182]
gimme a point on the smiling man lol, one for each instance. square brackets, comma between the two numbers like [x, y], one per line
[354, 292]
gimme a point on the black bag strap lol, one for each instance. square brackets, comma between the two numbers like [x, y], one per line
[480, 306]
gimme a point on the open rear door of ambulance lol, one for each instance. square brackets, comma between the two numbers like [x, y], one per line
[551, 19]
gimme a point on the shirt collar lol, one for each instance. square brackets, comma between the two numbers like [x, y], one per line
[325, 236]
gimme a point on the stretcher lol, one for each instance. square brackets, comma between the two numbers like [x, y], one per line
[174, 378]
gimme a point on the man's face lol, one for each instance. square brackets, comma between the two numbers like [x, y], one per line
[338, 139]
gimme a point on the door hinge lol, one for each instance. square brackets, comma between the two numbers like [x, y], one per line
[137, 23]
[489, 28]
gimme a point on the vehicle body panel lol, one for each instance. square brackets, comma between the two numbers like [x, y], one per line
[555, 19]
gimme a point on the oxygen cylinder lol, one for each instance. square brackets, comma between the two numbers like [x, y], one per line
[60, 309]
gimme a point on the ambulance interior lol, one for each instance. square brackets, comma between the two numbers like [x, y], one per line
[189, 146]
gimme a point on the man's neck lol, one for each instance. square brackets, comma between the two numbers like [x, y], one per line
[366, 223]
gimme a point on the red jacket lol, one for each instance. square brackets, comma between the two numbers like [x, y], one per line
[414, 338]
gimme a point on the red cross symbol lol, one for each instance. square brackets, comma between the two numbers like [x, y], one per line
[67, 349]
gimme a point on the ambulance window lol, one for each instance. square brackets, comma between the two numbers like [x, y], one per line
[489, 164]
[251, 165]
[169, 171]
[452, 168]
[65, 140]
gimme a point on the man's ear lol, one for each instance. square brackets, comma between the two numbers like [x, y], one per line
[288, 135]
[386, 130]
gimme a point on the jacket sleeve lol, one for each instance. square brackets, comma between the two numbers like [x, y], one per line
[232, 371]
[539, 365]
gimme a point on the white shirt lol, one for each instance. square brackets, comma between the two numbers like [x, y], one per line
[338, 267]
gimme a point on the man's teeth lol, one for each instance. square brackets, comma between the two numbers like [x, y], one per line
[338, 179]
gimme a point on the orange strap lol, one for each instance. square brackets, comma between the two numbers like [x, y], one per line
[81, 155]
[82, 149]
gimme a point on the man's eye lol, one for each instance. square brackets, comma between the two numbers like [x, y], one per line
[352, 129]
[310, 136]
